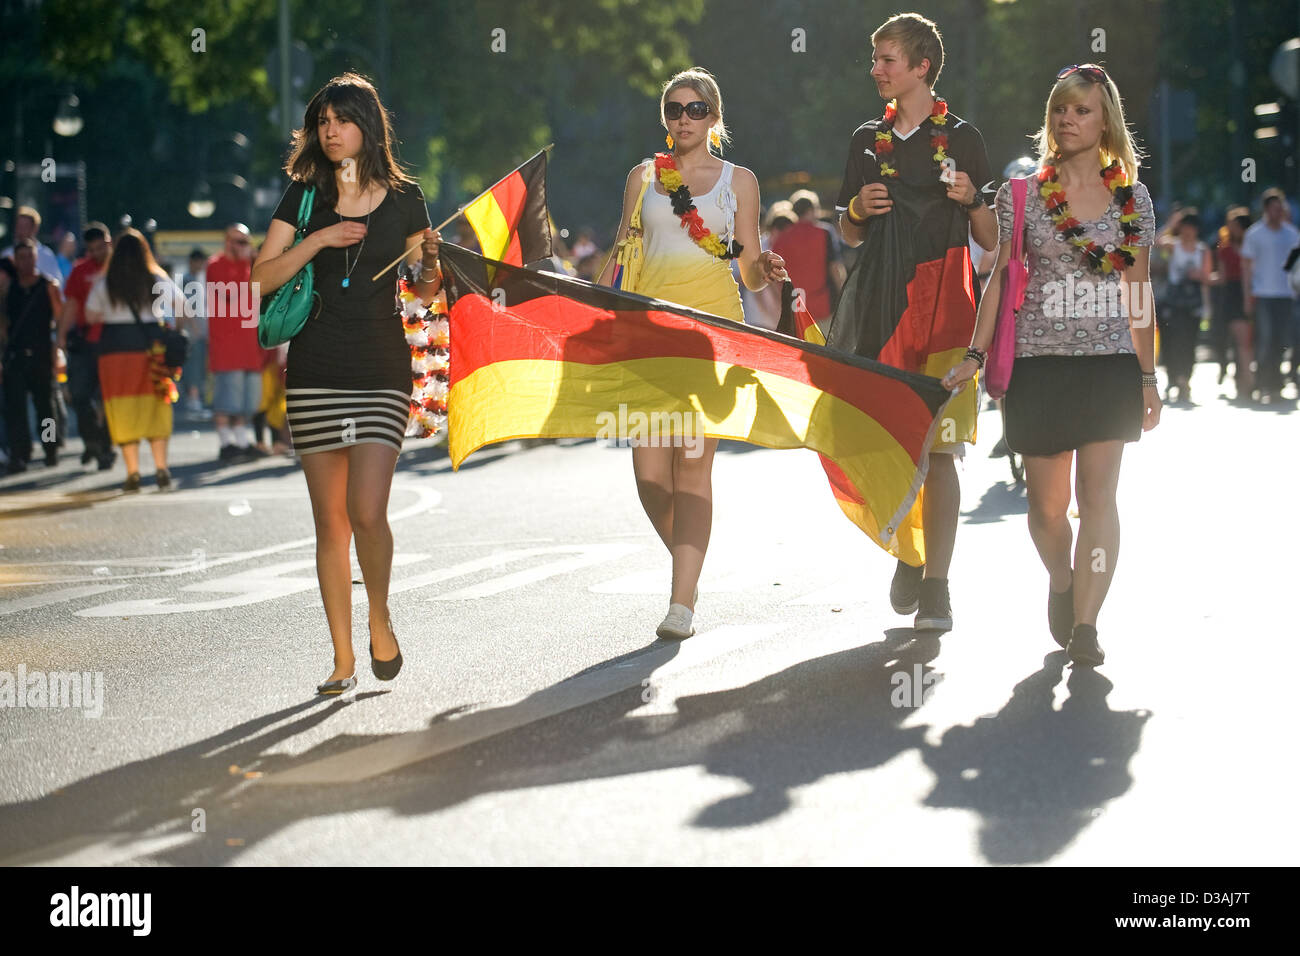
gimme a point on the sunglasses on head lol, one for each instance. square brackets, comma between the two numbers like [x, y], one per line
[696, 111]
[1091, 70]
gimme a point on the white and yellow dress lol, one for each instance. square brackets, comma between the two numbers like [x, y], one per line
[674, 268]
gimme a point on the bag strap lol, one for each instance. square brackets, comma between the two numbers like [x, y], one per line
[647, 174]
[1019, 197]
[304, 210]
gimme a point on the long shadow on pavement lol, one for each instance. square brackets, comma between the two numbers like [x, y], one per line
[1041, 773]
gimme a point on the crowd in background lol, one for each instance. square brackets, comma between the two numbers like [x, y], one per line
[1226, 292]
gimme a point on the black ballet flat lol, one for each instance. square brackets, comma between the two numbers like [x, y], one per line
[334, 687]
[386, 670]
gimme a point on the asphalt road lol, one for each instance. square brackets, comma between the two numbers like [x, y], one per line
[537, 720]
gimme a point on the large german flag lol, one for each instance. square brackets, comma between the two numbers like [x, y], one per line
[909, 301]
[510, 219]
[535, 354]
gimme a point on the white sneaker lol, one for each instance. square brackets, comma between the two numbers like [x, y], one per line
[676, 623]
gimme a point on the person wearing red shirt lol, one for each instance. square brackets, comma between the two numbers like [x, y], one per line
[810, 249]
[234, 356]
[78, 341]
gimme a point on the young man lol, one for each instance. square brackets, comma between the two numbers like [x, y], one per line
[1268, 296]
[917, 184]
[32, 304]
[79, 340]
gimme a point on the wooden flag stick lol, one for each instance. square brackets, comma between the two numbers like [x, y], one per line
[454, 216]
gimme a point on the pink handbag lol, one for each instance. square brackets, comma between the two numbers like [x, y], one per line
[1015, 277]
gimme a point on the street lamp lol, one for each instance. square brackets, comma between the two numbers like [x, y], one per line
[67, 119]
[201, 204]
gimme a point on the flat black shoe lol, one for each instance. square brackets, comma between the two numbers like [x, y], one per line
[1084, 649]
[87, 457]
[132, 482]
[334, 687]
[106, 461]
[164, 479]
[905, 589]
[935, 609]
[386, 670]
[1060, 614]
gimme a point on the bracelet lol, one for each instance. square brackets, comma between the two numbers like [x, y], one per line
[978, 356]
[974, 203]
[857, 221]
[1149, 380]
[420, 275]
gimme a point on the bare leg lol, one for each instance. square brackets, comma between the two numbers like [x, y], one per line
[692, 511]
[1244, 377]
[1098, 547]
[131, 457]
[327, 484]
[159, 448]
[653, 468]
[370, 478]
[939, 513]
[1047, 482]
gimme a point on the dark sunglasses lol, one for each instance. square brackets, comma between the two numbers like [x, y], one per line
[696, 111]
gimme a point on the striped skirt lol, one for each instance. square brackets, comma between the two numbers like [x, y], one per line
[325, 419]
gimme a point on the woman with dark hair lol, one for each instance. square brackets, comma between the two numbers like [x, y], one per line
[690, 187]
[348, 377]
[1180, 318]
[1228, 301]
[132, 299]
[1083, 383]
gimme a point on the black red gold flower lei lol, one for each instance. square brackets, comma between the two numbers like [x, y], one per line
[938, 136]
[1099, 259]
[684, 207]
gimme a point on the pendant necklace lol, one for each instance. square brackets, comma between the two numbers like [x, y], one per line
[347, 269]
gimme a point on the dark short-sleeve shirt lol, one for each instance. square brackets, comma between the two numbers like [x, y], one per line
[913, 157]
[356, 341]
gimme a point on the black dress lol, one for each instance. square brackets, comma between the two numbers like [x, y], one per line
[349, 369]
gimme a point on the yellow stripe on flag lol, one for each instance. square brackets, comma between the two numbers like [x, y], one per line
[489, 224]
[526, 398]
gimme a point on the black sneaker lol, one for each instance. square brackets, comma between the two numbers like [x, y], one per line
[1060, 614]
[1084, 649]
[905, 589]
[935, 610]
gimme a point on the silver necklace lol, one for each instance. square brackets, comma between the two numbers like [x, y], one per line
[347, 269]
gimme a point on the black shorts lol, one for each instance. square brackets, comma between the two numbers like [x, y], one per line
[1057, 403]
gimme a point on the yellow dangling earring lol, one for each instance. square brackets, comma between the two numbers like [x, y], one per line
[715, 138]
[669, 140]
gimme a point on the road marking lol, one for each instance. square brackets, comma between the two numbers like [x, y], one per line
[583, 556]
[253, 586]
[658, 662]
[46, 598]
[426, 498]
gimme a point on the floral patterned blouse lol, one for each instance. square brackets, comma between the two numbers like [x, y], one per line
[1069, 309]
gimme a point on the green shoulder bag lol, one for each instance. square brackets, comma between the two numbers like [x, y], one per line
[284, 314]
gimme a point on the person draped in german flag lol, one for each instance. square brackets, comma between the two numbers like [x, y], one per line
[693, 212]
[915, 188]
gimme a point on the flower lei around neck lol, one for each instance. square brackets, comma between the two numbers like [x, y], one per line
[938, 136]
[684, 207]
[1099, 259]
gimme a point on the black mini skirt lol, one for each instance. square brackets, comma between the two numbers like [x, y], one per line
[1058, 403]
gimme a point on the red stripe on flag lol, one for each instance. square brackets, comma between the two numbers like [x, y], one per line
[940, 312]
